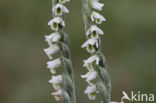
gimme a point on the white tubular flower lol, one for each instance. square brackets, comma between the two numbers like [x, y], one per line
[89, 44]
[58, 95]
[96, 5]
[94, 31]
[90, 60]
[52, 38]
[63, 1]
[56, 81]
[91, 91]
[92, 74]
[58, 9]
[54, 23]
[51, 50]
[52, 65]
[98, 18]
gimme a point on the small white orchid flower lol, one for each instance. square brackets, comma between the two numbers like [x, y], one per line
[90, 60]
[58, 95]
[94, 31]
[56, 81]
[89, 44]
[63, 1]
[96, 5]
[54, 23]
[52, 38]
[91, 91]
[98, 18]
[52, 65]
[59, 9]
[51, 50]
[92, 74]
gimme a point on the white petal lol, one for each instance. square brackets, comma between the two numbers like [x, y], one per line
[54, 64]
[58, 95]
[90, 89]
[91, 76]
[89, 41]
[62, 7]
[96, 5]
[94, 28]
[54, 37]
[57, 20]
[65, 9]
[63, 1]
[56, 79]
[91, 60]
[59, 92]
[51, 50]
[95, 16]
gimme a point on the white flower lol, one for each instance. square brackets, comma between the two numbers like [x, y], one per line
[58, 9]
[52, 65]
[89, 44]
[94, 31]
[92, 74]
[63, 1]
[57, 95]
[54, 23]
[96, 5]
[51, 50]
[97, 17]
[54, 37]
[56, 81]
[90, 60]
[91, 91]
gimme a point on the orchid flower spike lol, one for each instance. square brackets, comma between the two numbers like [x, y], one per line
[56, 81]
[96, 5]
[94, 31]
[91, 91]
[59, 9]
[56, 23]
[63, 1]
[51, 50]
[52, 65]
[90, 45]
[98, 18]
[52, 38]
[58, 95]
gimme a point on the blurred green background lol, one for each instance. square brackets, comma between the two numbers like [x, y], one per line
[129, 45]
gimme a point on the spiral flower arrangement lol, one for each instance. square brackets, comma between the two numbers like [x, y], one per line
[97, 76]
[58, 41]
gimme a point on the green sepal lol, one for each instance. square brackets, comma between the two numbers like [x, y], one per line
[103, 92]
[67, 65]
[64, 50]
[102, 61]
[64, 37]
[65, 97]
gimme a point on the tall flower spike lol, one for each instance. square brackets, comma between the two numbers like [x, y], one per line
[97, 76]
[58, 41]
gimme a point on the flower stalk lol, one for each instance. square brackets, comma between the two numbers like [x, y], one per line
[97, 76]
[58, 41]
